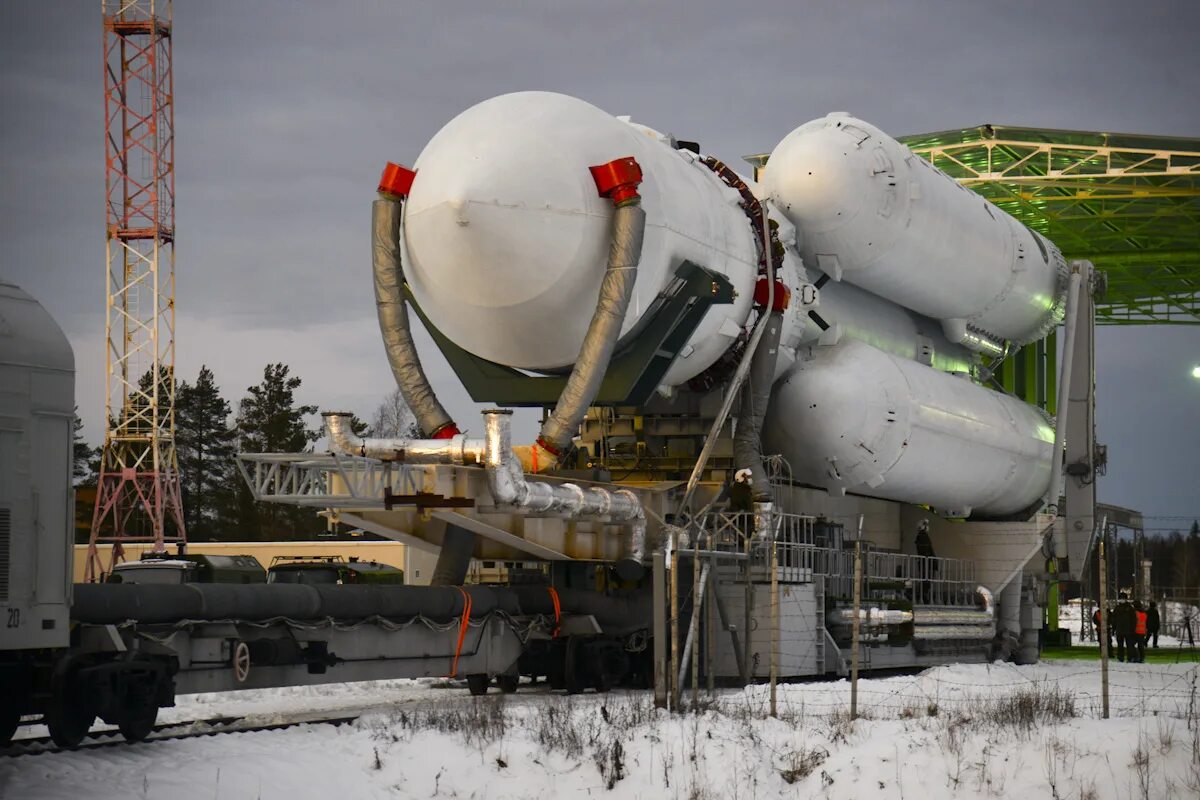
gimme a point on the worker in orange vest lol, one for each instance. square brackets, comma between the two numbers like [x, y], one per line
[1139, 632]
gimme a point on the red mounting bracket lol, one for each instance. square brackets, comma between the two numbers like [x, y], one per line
[782, 295]
[618, 179]
[396, 181]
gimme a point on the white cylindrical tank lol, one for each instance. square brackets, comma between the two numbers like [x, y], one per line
[872, 213]
[850, 417]
[37, 407]
[506, 238]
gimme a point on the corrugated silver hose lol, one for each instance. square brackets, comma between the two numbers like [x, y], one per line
[507, 484]
[756, 396]
[393, 319]
[629, 224]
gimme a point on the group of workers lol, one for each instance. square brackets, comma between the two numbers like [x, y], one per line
[1132, 625]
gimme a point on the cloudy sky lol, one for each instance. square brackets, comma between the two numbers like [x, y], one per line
[286, 112]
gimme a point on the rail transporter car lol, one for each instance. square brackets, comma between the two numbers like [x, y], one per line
[748, 387]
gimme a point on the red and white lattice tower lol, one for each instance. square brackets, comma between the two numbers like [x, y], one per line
[138, 498]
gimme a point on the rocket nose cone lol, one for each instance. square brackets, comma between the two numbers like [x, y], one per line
[506, 235]
[811, 176]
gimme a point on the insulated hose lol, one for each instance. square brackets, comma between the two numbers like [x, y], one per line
[393, 322]
[629, 225]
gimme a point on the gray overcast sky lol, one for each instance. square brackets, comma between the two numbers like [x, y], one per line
[286, 111]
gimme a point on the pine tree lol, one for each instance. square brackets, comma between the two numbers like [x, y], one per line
[205, 447]
[86, 464]
[269, 421]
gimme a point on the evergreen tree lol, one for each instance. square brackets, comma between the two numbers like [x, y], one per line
[86, 458]
[269, 421]
[205, 446]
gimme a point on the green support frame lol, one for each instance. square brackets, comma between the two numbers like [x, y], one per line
[634, 372]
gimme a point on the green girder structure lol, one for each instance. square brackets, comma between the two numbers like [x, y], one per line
[1128, 203]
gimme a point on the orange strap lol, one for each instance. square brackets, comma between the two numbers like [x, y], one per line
[533, 456]
[462, 631]
[557, 609]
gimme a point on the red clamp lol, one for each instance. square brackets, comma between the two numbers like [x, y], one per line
[549, 448]
[782, 295]
[396, 181]
[618, 179]
[557, 611]
[447, 431]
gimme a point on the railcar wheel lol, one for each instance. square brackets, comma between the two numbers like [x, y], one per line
[508, 683]
[573, 678]
[139, 722]
[478, 684]
[69, 724]
[10, 719]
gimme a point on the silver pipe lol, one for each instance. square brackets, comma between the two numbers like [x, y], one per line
[508, 486]
[756, 396]
[739, 376]
[393, 319]
[458, 449]
[942, 632]
[765, 520]
[625, 250]
[1064, 377]
[924, 615]
[960, 332]
[872, 617]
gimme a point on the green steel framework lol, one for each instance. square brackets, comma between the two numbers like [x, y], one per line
[1128, 203]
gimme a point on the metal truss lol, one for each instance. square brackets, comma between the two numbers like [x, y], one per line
[1130, 204]
[138, 497]
[326, 481]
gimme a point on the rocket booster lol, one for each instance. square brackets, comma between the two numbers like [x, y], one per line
[505, 241]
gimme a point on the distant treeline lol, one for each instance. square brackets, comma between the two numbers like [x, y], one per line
[217, 504]
[1174, 561]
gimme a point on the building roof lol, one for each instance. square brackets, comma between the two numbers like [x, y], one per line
[1129, 203]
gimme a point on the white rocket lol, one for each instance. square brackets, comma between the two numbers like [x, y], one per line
[898, 279]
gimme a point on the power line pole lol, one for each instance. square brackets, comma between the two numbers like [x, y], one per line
[138, 498]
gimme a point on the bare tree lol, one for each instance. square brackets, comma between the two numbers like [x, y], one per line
[394, 419]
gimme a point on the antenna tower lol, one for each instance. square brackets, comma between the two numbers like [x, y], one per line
[138, 498]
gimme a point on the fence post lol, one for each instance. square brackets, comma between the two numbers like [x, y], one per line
[674, 690]
[661, 681]
[1103, 628]
[710, 630]
[774, 622]
[697, 602]
[854, 628]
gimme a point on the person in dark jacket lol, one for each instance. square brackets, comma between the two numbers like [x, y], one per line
[1096, 626]
[1139, 632]
[929, 567]
[1153, 621]
[1123, 620]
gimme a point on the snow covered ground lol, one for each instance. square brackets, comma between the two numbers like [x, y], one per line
[962, 731]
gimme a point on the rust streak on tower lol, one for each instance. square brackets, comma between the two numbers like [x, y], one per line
[138, 498]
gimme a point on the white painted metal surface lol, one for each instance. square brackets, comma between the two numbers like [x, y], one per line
[506, 238]
[37, 401]
[506, 241]
[872, 213]
[850, 417]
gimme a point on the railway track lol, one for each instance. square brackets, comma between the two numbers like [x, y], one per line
[192, 729]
